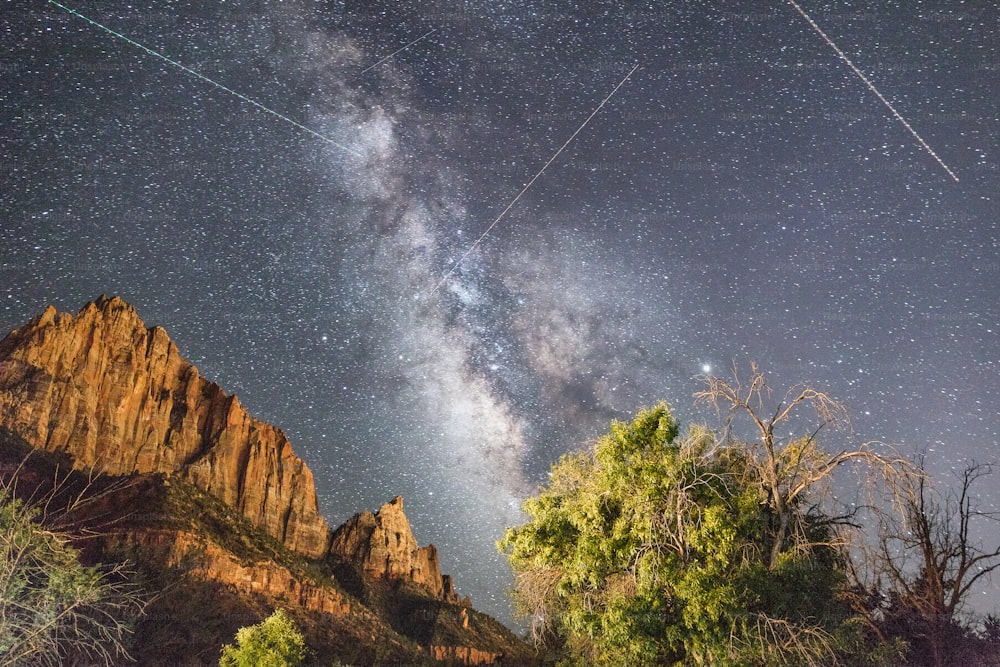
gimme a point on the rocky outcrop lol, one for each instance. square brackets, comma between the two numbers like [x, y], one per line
[118, 396]
[384, 547]
[206, 560]
[464, 655]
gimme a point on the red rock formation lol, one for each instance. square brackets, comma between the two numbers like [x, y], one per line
[118, 396]
[383, 544]
[463, 654]
[216, 564]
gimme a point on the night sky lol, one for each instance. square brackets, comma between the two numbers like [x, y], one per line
[743, 196]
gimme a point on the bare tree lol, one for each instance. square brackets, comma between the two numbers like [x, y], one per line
[793, 465]
[928, 557]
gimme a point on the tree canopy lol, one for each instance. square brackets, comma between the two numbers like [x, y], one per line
[727, 546]
[657, 547]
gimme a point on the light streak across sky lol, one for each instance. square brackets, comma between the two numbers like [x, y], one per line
[871, 86]
[374, 65]
[208, 80]
[532, 181]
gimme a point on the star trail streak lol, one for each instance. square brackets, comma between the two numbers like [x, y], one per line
[532, 181]
[201, 76]
[400, 50]
[871, 86]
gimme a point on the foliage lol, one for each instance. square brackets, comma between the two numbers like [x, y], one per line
[796, 470]
[53, 609]
[657, 548]
[721, 548]
[274, 642]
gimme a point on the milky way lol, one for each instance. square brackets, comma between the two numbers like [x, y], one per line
[742, 197]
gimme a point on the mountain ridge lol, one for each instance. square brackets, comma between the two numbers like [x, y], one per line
[116, 396]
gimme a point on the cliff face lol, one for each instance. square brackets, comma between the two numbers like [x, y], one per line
[213, 572]
[113, 395]
[118, 396]
[383, 545]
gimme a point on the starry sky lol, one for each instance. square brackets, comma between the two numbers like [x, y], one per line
[743, 196]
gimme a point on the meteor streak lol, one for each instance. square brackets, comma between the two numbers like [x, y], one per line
[532, 181]
[396, 51]
[205, 78]
[872, 88]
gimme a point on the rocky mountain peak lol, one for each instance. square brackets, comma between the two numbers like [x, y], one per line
[117, 395]
[384, 546]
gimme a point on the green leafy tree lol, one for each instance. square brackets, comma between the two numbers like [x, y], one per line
[53, 609]
[274, 642]
[661, 548]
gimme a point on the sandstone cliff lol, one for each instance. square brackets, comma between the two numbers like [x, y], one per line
[220, 497]
[383, 545]
[116, 395]
[214, 572]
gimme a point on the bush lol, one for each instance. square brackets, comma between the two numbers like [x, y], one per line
[274, 642]
[53, 609]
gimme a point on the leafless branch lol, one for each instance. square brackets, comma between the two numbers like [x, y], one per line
[789, 466]
[51, 606]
